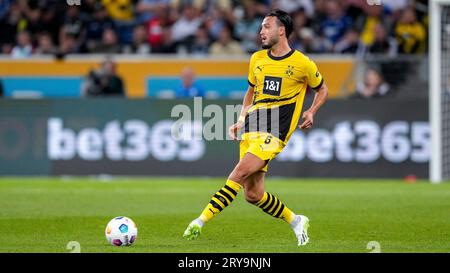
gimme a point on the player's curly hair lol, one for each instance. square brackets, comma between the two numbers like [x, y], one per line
[284, 19]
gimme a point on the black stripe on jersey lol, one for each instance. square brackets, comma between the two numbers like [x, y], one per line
[318, 87]
[221, 199]
[251, 84]
[276, 100]
[215, 205]
[230, 190]
[224, 193]
[263, 118]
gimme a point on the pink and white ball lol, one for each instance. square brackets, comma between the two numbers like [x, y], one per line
[121, 231]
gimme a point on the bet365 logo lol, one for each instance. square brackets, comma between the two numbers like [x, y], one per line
[73, 2]
[374, 2]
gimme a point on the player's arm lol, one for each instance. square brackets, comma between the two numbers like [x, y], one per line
[246, 104]
[319, 99]
[316, 82]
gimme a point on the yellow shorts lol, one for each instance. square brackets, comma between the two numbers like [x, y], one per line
[263, 145]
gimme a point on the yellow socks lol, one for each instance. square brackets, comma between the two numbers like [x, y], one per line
[220, 200]
[270, 204]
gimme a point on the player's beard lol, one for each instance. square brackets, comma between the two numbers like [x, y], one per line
[270, 43]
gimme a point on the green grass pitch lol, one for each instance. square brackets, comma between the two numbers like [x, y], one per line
[44, 214]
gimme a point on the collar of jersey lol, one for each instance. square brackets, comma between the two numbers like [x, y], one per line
[281, 57]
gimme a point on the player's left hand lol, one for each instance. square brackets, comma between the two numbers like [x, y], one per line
[308, 120]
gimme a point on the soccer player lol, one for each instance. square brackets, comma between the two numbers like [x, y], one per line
[278, 77]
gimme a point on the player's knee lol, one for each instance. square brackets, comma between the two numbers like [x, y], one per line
[239, 175]
[253, 196]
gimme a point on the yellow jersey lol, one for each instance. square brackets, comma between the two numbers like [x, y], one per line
[411, 37]
[121, 10]
[280, 84]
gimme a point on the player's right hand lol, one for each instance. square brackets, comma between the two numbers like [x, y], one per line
[232, 131]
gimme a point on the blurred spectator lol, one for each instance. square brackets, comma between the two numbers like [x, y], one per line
[202, 42]
[223, 5]
[9, 24]
[121, 11]
[148, 9]
[189, 87]
[303, 37]
[140, 42]
[156, 26]
[109, 43]
[410, 33]
[366, 23]
[382, 43]
[167, 44]
[356, 9]
[262, 7]
[301, 20]
[184, 29]
[103, 82]
[52, 19]
[321, 26]
[374, 35]
[45, 44]
[217, 18]
[96, 25]
[24, 48]
[291, 6]
[4, 7]
[396, 6]
[320, 9]
[349, 43]
[305, 40]
[34, 23]
[247, 29]
[67, 45]
[74, 25]
[90, 6]
[373, 86]
[226, 45]
[336, 23]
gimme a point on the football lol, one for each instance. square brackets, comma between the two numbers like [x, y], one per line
[121, 231]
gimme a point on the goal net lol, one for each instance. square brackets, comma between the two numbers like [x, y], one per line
[439, 107]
